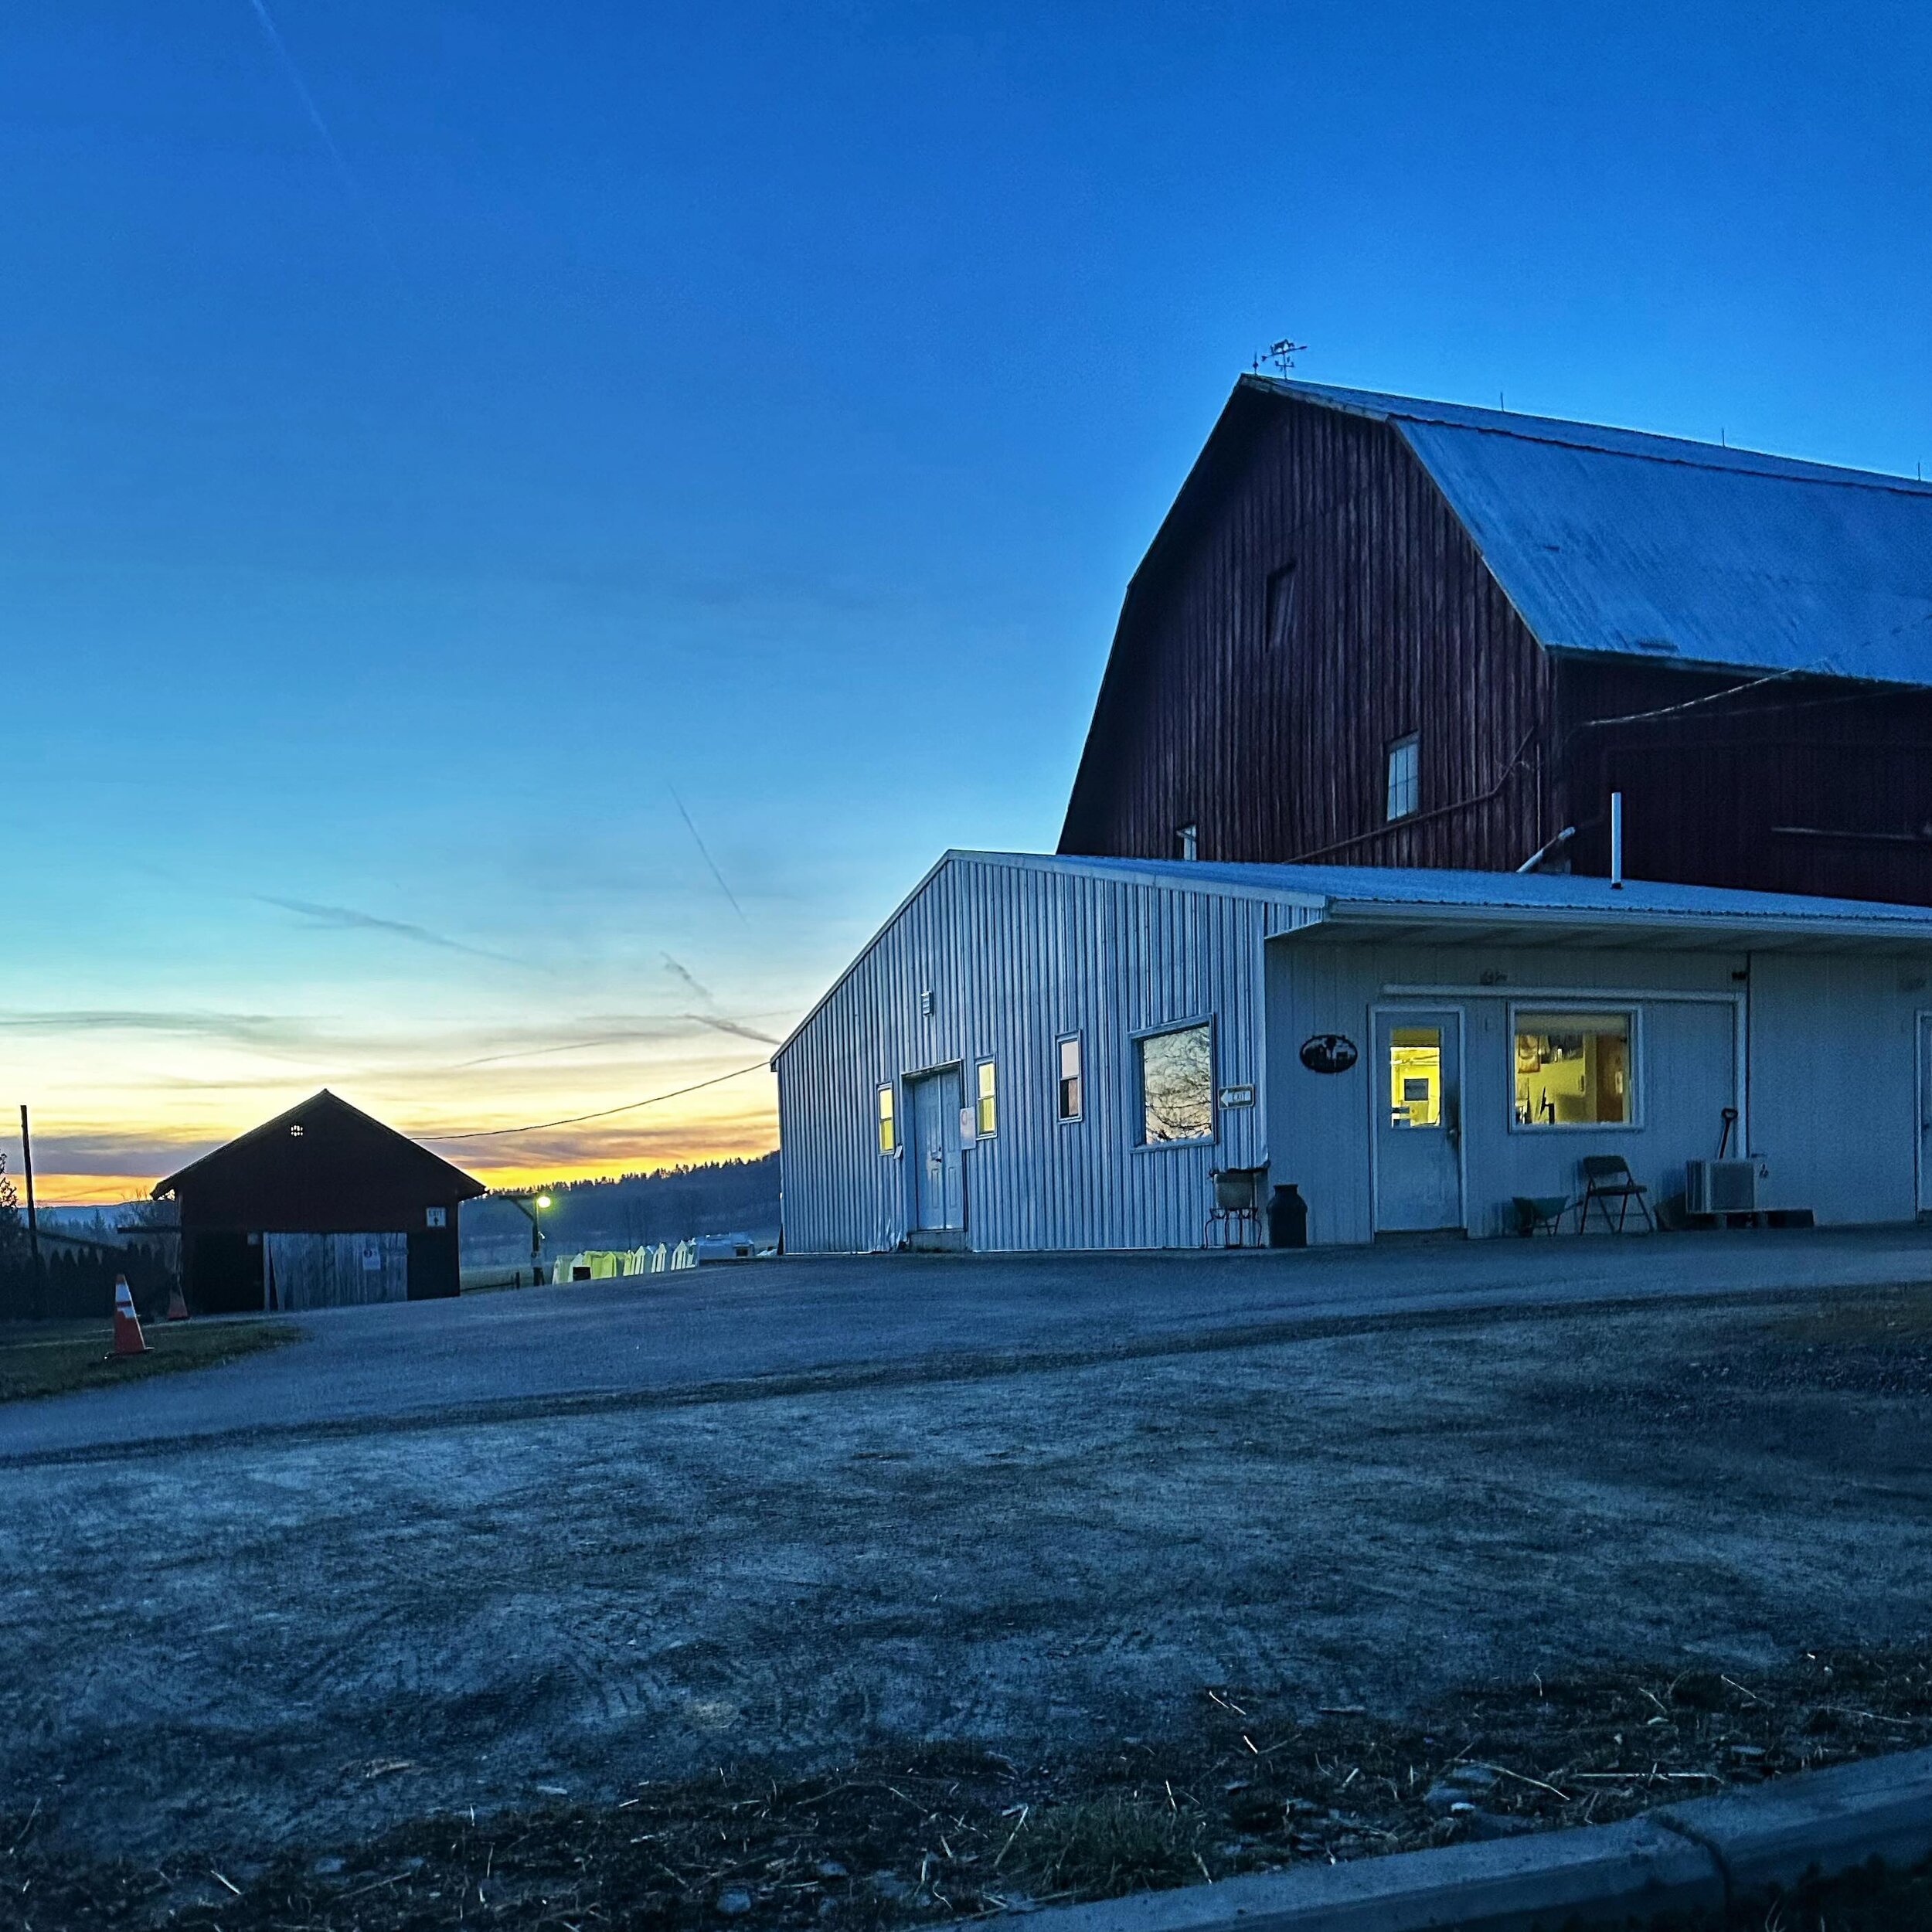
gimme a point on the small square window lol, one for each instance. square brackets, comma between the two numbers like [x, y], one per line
[1187, 842]
[1177, 1085]
[1070, 1097]
[986, 1112]
[1405, 775]
[1574, 1069]
[887, 1126]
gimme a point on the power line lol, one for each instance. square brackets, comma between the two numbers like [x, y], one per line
[604, 1113]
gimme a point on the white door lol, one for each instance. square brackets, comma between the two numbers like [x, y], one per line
[939, 1189]
[1417, 1087]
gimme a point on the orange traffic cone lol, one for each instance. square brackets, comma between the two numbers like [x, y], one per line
[128, 1338]
[177, 1306]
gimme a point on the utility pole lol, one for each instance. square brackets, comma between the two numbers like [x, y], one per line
[33, 1217]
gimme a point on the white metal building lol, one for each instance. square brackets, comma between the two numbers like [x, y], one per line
[1057, 1052]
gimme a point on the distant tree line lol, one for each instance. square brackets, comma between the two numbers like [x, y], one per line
[76, 1274]
[631, 1211]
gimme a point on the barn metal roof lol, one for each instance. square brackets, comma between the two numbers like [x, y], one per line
[1398, 901]
[1614, 542]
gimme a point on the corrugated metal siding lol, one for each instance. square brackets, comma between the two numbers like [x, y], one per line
[1016, 956]
[1278, 753]
[1830, 1094]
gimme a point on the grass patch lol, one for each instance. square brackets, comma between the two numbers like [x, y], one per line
[1898, 1318]
[54, 1357]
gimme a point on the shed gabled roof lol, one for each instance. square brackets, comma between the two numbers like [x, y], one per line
[333, 1117]
[1613, 542]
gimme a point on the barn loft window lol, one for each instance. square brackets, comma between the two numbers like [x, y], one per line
[986, 1107]
[887, 1126]
[1187, 841]
[1405, 775]
[1280, 607]
[1177, 1085]
[1574, 1069]
[1070, 1100]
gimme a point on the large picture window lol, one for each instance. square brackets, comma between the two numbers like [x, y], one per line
[1574, 1069]
[1177, 1085]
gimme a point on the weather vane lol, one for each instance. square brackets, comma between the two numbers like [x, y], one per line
[1281, 354]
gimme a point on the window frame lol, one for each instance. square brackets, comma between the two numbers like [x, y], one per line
[886, 1119]
[1187, 839]
[1061, 1042]
[1136, 1039]
[986, 1096]
[1585, 1009]
[1411, 742]
[1279, 594]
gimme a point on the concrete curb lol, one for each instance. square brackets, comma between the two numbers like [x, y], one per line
[1685, 1857]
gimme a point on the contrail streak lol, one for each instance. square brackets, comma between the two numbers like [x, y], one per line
[708, 859]
[307, 100]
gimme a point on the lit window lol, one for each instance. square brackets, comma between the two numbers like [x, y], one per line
[1177, 1085]
[1187, 841]
[1281, 610]
[1405, 777]
[986, 1114]
[888, 1127]
[1415, 1076]
[1573, 1069]
[1070, 1088]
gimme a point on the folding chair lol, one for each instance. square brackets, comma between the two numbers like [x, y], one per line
[1607, 1178]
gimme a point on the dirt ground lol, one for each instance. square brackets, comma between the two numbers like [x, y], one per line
[242, 1651]
[1244, 1783]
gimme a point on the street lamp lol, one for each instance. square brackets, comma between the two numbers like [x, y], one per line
[533, 1205]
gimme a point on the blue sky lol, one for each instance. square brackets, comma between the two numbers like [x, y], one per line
[760, 407]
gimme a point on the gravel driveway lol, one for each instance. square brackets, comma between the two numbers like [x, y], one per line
[314, 1629]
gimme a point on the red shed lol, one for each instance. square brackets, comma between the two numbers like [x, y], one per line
[320, 1207]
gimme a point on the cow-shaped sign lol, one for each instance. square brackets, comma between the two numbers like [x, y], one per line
[1328, 1053]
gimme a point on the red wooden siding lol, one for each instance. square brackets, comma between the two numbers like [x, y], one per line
[1278, 752]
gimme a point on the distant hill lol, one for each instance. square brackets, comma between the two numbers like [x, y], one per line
[632, 1211]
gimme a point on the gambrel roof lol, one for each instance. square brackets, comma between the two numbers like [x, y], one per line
[1611, 542]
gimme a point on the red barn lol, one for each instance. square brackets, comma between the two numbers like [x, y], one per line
[320, 1207]
[1377, 632]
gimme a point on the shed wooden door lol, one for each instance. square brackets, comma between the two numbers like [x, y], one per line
[335, 1271]
[939, 1194]
[1417, 1088]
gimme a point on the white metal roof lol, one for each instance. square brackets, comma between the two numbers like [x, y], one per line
[1394, 905]
[1543, 905]
[1612, 542]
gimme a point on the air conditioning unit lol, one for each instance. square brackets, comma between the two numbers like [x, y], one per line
[1720, 1187]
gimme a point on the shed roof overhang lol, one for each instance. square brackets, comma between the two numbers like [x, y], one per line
[1395, 923]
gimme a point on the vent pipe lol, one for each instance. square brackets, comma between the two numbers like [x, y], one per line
[1617, 841]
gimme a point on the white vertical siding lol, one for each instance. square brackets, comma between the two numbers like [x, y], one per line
[1831, 1098]
[1834, 1088]
[1016, 956]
